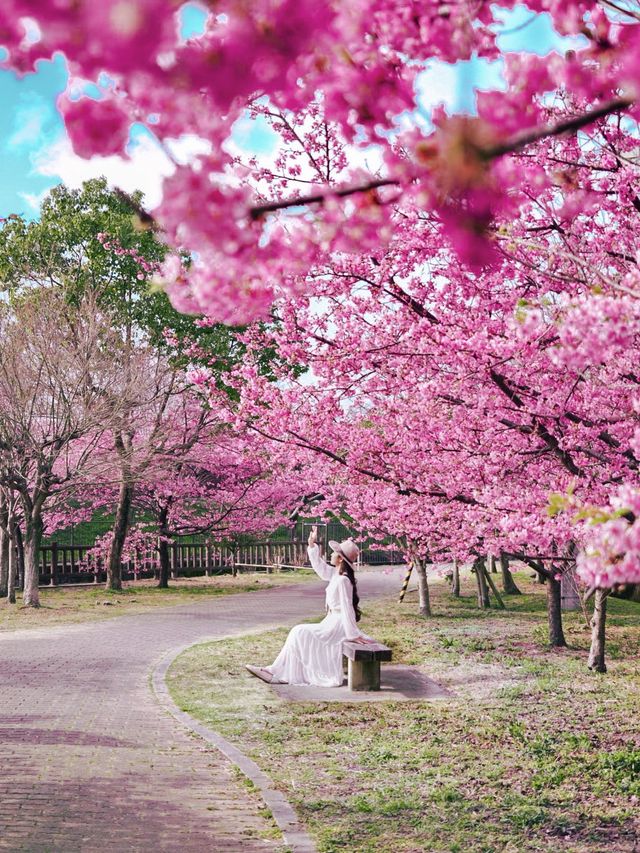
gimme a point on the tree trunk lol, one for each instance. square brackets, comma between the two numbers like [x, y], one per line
[13, 570]
[5, 544]
[455, 580]
[164, 571]
[508, 583]
[554, 612]
[19, 556]
[494, 590]
[491, 564]
[32, 542]
[4, 561]
[163, 550]
[598, 621]
[483, 592]
[120, 528]
[424, 601]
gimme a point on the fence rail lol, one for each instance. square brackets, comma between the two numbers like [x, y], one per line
[68, 564]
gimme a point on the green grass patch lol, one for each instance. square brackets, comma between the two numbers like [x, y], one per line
[532, 752]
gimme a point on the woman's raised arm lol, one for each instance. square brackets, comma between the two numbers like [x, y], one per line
[319, 566]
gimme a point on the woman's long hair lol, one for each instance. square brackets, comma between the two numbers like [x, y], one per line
[347, 569]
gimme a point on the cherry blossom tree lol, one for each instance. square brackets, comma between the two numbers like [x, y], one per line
[149, 398]
[223, 487]
[449, 404]
[472, 338]
[55, 364]
[352, 65]
[171, 459]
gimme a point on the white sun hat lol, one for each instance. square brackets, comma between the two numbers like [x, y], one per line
[347, 549]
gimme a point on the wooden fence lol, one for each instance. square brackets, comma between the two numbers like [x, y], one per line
[69, 564]
[65, 564]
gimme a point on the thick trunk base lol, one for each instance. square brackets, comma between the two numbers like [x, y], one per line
[481, 580]
[33, 538]
[508, 584]
[455, 580]
[13, 571]
[4, 563]
[598, 623]
[424, 600]
[554, 612]
[164, 571]
[120, 529]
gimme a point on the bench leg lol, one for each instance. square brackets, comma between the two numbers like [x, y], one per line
[364, 675]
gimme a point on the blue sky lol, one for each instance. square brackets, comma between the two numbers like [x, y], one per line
[35, 155]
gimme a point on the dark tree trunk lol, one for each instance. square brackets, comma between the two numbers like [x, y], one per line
[481, 581]
[5, 544]
[491, 564]
[19, 556]
[163, 550]
[4, 560]
[455, 579]
[120, 528]
[13, 571]
[16, 559]
[598, 622]
[424, 601]
[554, 612]
[508, 583]
[32, 541]
[164, 571]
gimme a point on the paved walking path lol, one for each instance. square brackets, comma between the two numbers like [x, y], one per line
[89, 761]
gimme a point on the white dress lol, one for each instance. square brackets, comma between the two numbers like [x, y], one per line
[312, 654]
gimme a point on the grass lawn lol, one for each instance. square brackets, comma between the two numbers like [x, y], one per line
[531, 752]
[66, 605]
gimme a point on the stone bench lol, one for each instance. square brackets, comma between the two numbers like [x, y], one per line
[364, 664]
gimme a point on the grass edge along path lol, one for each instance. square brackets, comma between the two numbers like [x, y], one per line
[532, 753]
[285, 828]
[71, 605]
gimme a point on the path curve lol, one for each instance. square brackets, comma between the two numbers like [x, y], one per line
[296, 838]
[90, 761]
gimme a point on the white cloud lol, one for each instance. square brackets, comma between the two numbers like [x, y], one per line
[145, 168]
[34, 200]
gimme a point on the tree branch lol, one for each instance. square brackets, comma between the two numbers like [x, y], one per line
[539, 428]
[566, 126]
[257, 211]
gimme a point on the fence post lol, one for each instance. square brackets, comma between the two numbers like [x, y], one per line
[54, 564]
[569, 595]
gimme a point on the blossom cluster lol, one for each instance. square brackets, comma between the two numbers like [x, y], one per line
[343, 73]
[610, 554]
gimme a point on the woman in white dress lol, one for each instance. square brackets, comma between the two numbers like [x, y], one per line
[312, 654]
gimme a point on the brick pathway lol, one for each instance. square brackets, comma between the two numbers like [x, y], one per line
[88, 759]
